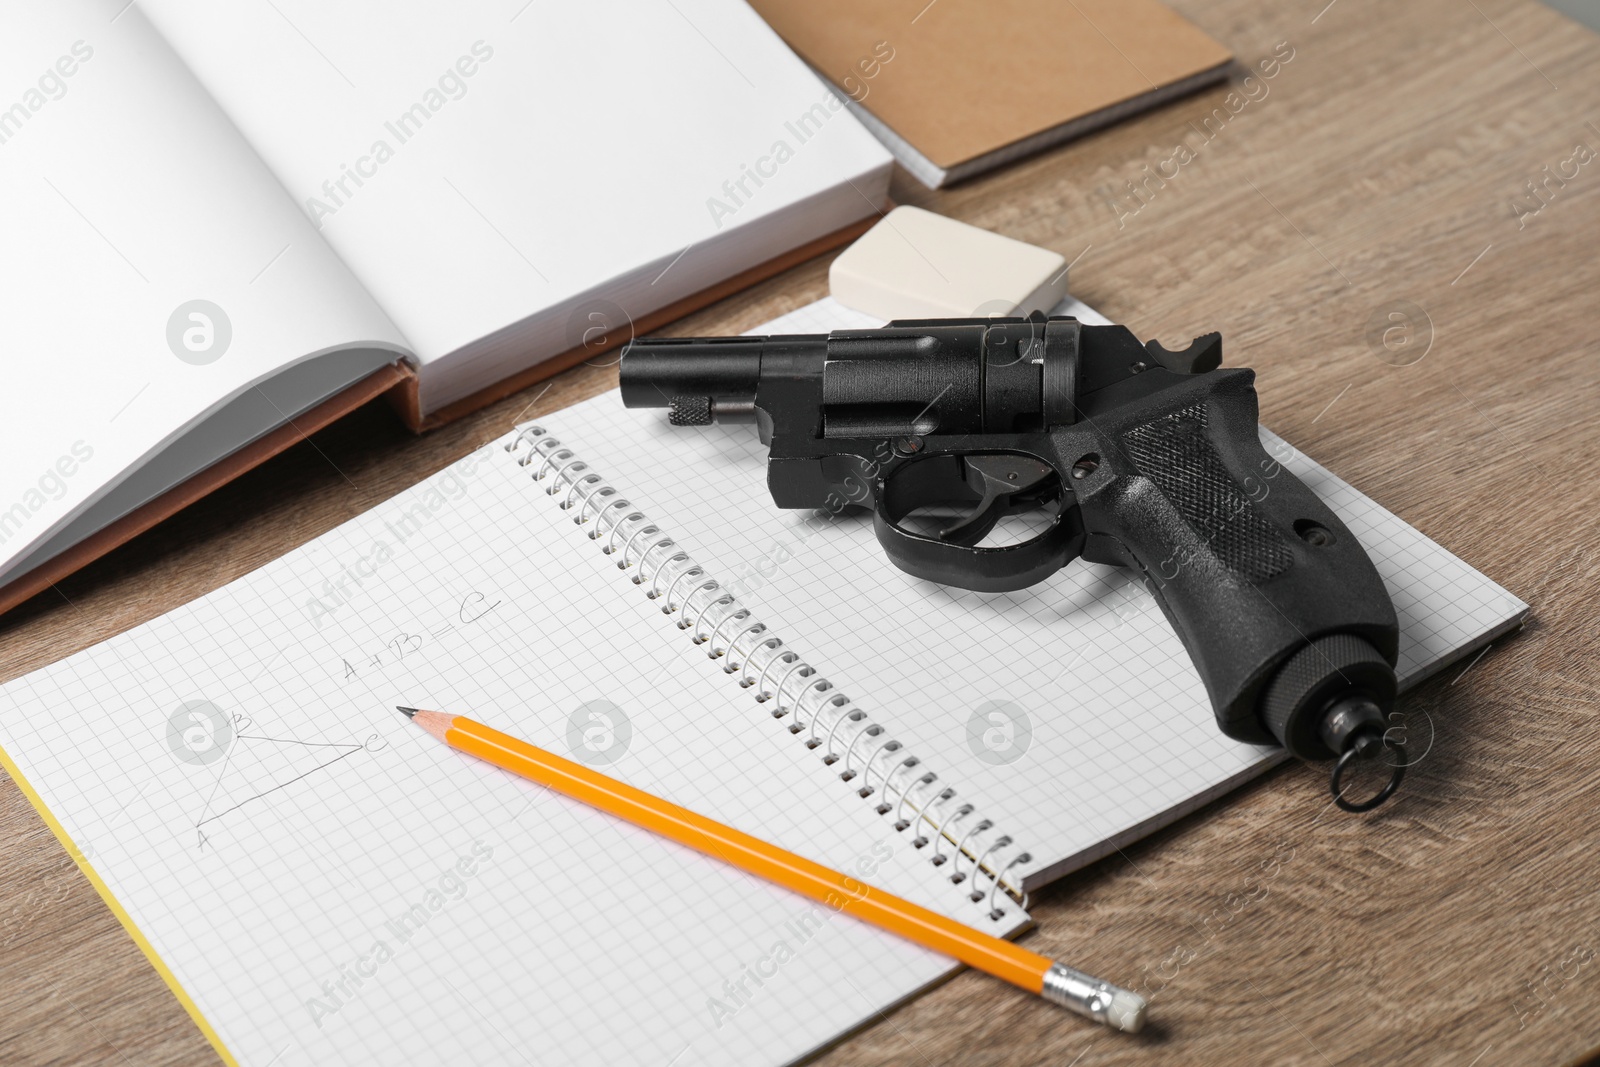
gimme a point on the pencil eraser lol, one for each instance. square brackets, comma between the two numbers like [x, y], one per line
[1126, 1011]
[915, 264]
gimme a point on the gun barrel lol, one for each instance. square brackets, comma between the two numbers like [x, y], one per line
[908, 379]
[658, 370]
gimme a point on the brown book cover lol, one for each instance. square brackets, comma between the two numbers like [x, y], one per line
[954, 87]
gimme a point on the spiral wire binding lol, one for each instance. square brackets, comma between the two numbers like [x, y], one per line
[642, 546]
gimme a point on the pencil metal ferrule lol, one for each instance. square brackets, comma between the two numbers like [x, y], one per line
[1101, 1001]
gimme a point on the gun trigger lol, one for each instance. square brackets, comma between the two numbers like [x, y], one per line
[1203, 354]
[996, 479]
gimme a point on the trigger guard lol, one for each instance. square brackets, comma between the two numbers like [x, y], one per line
[984, 570]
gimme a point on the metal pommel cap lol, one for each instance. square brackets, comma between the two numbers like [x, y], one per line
[1090, 997]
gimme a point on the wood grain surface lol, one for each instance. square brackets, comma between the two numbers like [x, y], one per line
[1378, 172]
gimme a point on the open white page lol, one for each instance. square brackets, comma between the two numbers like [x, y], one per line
[484, 161]
[329, 885]
[128, 196]
[1069, 711]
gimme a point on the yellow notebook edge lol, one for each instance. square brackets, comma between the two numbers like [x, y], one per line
[116, 907]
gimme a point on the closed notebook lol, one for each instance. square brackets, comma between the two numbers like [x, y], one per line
[954, 89]
[234, 780]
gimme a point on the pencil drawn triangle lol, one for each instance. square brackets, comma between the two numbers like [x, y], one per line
[259, 766]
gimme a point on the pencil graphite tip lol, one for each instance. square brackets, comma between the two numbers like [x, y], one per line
[409, 713]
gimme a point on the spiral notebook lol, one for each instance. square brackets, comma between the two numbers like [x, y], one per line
[234, 781]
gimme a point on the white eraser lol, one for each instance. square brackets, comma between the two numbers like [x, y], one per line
[917, 265]
[1126, 1011]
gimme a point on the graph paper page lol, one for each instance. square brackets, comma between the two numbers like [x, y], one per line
[1069, 709]
[328, 884]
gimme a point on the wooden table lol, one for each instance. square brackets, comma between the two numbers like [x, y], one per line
[1383, 170]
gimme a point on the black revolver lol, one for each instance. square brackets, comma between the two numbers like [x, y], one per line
[1124, 453]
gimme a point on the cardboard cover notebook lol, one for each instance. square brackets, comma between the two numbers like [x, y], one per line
[955, 89]
[226, 225]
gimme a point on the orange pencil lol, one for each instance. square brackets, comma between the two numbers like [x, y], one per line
[1059, 984]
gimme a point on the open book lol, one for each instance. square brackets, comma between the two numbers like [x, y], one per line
[221, 218]
[234, 780]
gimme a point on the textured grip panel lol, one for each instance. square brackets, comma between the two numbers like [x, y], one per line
[689, 411]
[1176, 454]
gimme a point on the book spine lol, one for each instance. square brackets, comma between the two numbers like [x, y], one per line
[868, 760]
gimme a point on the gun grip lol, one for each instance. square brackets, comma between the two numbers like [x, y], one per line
[1248, 564]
